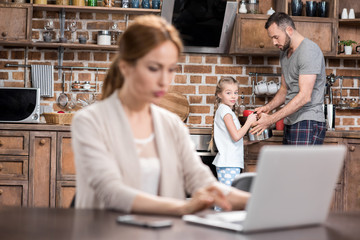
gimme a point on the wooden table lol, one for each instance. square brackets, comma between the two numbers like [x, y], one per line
[66, 224]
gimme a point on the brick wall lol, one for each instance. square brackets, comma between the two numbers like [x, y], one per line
[196, 76]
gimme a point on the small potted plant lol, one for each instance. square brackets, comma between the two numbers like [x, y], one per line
[348, 46]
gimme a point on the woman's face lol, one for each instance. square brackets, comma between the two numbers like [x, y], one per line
[149, 78]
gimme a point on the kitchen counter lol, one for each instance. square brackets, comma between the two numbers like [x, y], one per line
[193, 130]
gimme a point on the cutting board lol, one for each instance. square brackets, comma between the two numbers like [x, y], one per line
[177, 103]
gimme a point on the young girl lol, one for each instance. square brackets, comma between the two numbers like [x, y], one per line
[227, 131]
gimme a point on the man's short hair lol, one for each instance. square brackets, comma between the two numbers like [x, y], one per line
[281, 19]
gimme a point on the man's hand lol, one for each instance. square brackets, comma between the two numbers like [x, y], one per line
[263, 123]
[263, 109]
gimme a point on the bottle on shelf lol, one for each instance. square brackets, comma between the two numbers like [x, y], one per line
[242, 105]
[87, 85]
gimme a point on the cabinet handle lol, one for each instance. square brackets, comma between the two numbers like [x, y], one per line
[42, 142]
[351, 148]
[1, 167]
[261, 45]
[1, 191]
[4, 34]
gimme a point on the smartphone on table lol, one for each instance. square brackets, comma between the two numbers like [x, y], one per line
[133, 220]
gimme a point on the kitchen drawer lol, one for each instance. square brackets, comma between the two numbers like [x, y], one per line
[14, 167]
[65, 192]
[14, 142]
[13, 194]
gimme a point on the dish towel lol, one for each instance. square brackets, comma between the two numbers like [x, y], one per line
[42, 77]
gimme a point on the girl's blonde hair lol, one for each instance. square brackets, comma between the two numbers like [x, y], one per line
[219, 89]
[143, 35]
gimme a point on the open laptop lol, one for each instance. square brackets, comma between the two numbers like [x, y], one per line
[293, 187]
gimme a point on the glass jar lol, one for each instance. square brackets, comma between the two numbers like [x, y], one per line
[104, 37]
[92, 3]
[87, 85]
[76, 85]
[125, 4]
[108, 3]
[353, 103]
[253, 6]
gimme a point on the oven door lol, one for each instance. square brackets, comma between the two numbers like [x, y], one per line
[207, 158]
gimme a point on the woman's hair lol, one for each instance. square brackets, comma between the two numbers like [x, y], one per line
[219, 89]
[143, 35]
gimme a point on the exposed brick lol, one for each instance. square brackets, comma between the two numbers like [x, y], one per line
[195, 79]
[347, 112]
[35, 35]
[226, 60]
[211, 80]
[100, 56]
[354, 92]
[85, 56]
[348, 72]
[118, 16]
[358, 121]
[17, 55]
[179, 68]
[38, 24]
[102, 65]
[243, 80]
[197, 69]
[86, 15]
[348, 82]
[349, 63]
[337, 121]
[273, 61]
[194, 120]
[245, 90]
[101, 77]
[195, 99]
[242, 60]
[4, 75]
[195, 59]
[209, 120]
[257, 60]
[180, 79]
[4, 54]
[18, 75]
[55, 14]
[185, 89]
[207, 89]
[38, 14]
[102, 16]
[199, 109]
[68, 16]
[348, 121]
[182, 59]
[259, 69]
[228, 70]
[211, 59]
[334, 62]
[13, 84]
[210, 99]
[69, 56]
[50, 56]
[98, 25]
[84, 76]
[354, 128]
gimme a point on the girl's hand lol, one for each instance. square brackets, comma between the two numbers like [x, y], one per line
[251, 119]
[205, 198]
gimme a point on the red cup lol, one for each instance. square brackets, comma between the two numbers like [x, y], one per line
[280, 125]
[247, 113]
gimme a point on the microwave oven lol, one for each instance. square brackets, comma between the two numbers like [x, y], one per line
[19, 105]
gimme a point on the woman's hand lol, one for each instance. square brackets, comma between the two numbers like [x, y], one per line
[205, 198]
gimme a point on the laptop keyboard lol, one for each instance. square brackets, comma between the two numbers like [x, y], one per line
[233, 216]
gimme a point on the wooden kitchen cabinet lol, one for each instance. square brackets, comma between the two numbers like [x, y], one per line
[250, 35]
[15, 22]
[36, 165]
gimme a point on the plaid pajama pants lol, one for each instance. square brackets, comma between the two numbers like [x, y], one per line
[307, 132]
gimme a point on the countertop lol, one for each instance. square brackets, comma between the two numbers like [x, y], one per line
[193, 130]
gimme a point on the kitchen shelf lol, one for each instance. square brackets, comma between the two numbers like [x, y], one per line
[349, 22]
[71, 45]
[70, 8]
[346, 108]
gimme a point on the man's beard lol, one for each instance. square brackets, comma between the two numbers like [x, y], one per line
[287, 43]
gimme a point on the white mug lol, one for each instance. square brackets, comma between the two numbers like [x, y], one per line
[351, 14]
[344, 14]
[272, 88]
[262, 87]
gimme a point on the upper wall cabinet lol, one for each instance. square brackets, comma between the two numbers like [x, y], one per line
[250, 35]
[15, 22]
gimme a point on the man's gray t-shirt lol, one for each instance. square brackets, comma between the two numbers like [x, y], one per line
[306, 60]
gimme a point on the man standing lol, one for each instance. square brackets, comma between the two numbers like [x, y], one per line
[303, 81]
